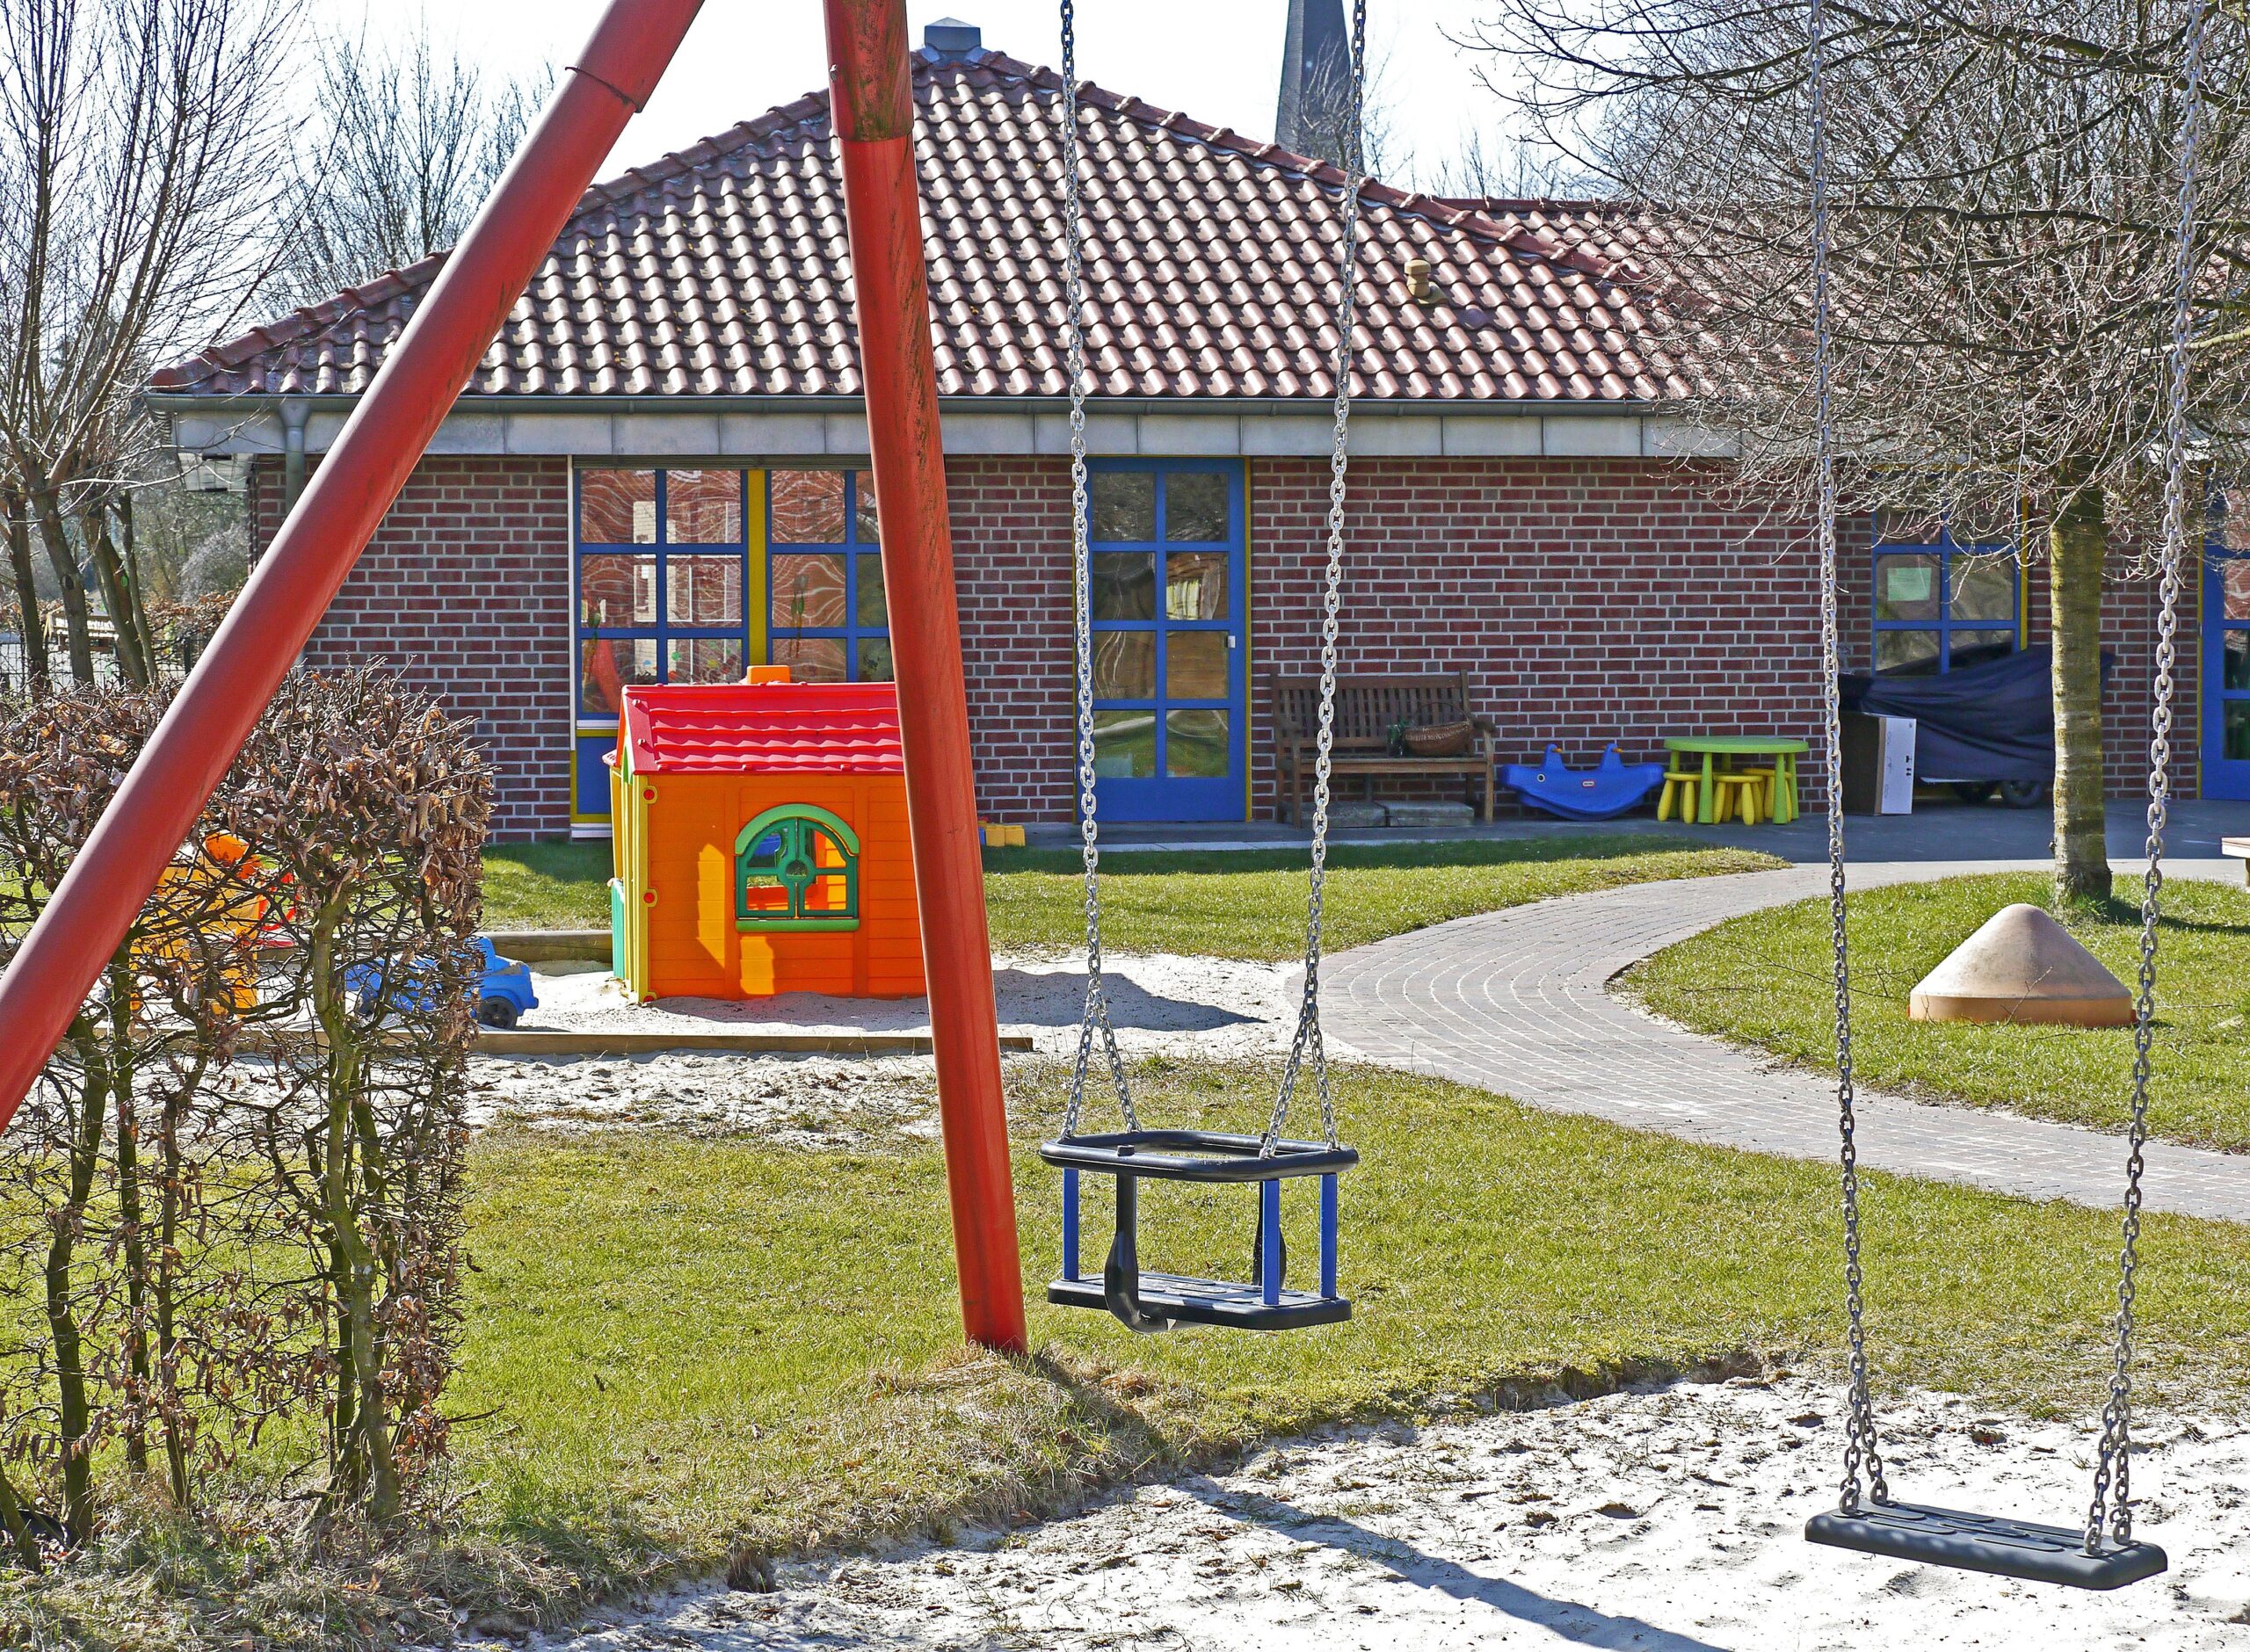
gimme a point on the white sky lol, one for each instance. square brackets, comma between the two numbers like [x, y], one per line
[1216, 60]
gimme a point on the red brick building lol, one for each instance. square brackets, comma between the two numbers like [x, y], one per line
[654, 473]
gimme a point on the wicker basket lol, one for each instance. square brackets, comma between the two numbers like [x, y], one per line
[1443, 740]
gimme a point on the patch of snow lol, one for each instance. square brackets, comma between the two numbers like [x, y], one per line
[1667, 1518]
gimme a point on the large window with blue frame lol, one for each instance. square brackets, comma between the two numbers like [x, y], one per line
[1165, 551]
[1942, 603]
[662, 579]
[826, 619]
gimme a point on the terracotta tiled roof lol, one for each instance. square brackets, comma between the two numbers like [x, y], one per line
[765, 729]
[724, 271]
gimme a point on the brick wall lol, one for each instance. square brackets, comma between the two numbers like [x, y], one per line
[1011, 566]
[466, 589]
[1591, 601]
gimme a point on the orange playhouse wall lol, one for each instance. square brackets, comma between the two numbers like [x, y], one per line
[693, 947]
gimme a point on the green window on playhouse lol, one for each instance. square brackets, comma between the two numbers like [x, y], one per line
[796, 867]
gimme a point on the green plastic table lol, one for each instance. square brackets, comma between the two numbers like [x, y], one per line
[1783, 752]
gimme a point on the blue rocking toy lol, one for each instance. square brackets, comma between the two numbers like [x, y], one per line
[1610, 788]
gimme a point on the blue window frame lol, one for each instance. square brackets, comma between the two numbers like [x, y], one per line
[661, 587]
[827, 620]
[1944, 604]
[1164, 542]
[659, 566]
[2226, 672]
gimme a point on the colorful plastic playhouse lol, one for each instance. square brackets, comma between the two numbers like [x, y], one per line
[760, 842]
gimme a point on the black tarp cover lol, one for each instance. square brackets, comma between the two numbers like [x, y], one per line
[1995, 722]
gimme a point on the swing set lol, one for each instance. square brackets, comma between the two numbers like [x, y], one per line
[872, 102]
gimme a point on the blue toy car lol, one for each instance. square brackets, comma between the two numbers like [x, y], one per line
[502, 995]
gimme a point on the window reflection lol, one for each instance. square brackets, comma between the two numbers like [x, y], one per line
[610, 665]
[806, 507]
[703, 507]
[617, 590]
[1123, 504]
[1195, 507]
[617, 507]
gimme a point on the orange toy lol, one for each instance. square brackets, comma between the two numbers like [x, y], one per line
[760, 842]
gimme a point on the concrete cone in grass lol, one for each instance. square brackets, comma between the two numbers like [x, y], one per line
[2022, 967]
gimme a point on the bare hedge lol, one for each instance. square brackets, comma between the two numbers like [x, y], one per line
[233, 1199]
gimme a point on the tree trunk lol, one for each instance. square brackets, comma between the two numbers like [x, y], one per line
[19, 529]
[118, 595]
[54, 534]
[74, 1400]
[18, 1529]
[366, 1470]
[2077, 541]
[178, 1422]
[129, 547]
[124, 1084]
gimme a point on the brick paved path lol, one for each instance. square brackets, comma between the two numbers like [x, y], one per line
[1516, 1002]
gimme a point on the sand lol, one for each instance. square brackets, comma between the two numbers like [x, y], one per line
[1666, 1520]
[1211, 1009]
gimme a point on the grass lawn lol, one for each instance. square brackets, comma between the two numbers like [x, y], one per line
[682, 1353]
[1762, 980]
[688, 1346]
[1242, 904]
[547, 886]
[1254, 907]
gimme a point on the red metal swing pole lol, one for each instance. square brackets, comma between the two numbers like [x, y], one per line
[215, 710]
[871, 95]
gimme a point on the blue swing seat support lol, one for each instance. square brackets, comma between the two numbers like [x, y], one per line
[1153, 1301]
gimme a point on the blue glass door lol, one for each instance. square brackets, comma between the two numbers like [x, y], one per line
[1166, 549]
[2226, 675]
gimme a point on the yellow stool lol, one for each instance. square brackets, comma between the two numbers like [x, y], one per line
[1688, 785]
[1768, 787]
[1739, 791]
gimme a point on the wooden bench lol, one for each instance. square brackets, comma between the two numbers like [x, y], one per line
[2237, 849]
[1367, 709]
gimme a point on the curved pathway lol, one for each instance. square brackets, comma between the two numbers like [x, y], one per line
[1517, 1002]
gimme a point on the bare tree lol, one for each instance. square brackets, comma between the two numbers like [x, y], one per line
[2005, 190]
[138, 155]
[1501, 165]
[407, 144]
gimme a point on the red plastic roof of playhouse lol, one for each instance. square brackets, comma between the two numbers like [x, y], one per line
[763, 727]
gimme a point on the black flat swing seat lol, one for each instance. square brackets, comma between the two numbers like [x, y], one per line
[1985, 1543]
[1158, 1301]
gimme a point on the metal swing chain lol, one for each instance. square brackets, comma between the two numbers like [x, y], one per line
[2113, 1465]
[1862, 1454]
[1094, 1018]
[1307, 1045]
